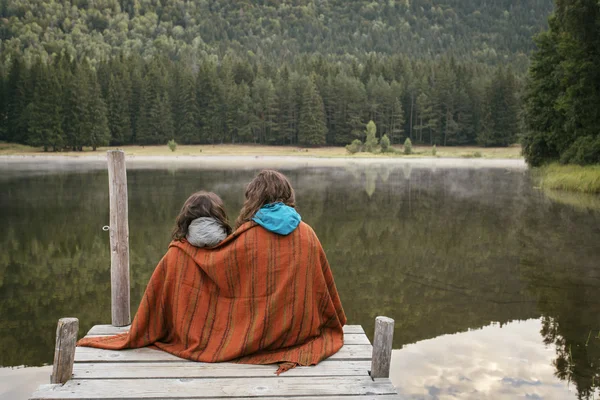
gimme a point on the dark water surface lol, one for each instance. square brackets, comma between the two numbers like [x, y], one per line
[495, 287]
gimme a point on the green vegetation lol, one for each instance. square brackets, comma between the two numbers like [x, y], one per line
[385, 145]
[570, 177]
[309, 73]
[434, 150]
[562, 97]
[371, 142]
[172, 145]
[408, 147]
[354, 147]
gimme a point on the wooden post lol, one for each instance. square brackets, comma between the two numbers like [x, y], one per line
[382, 347]
[119, 238]
[64, 352]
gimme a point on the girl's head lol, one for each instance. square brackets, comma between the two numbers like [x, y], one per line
[267, 187]
[200, 204]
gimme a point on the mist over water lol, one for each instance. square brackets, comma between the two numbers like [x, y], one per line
[483, 274]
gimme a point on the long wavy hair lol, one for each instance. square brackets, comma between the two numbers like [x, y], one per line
[200, 204]
[267, 187]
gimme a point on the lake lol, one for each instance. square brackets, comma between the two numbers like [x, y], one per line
[494, 284]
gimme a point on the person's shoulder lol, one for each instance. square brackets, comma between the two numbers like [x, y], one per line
[306, 229]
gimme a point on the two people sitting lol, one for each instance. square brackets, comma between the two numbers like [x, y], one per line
[260, 294]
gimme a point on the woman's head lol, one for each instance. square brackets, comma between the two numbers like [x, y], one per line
[266, 188]
[200, 204]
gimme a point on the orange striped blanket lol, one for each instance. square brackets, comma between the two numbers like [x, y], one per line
[256, 298]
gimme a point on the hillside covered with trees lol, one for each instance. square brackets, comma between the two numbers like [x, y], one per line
[90, 73]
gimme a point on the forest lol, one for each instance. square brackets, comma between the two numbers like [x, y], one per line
[83, 73]
[562, 96]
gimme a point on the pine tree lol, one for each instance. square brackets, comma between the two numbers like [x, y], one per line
[265, 111]
[371, 141]
[396, 122]
[19, 91]
[155, 124]
[44, 113]
[76, 123]
[118, 113]
[209, 103]
[287, 119]
[3, 104]
[98, 134]
[501, 115]
[185, 110]
[312, 128]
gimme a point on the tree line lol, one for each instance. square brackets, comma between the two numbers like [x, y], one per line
[59, 103]
[562, 101]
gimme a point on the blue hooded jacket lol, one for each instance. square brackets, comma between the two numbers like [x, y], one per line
[278, 218]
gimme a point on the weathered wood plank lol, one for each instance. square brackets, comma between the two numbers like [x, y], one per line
[119, 238]
[64, 350]
[349, 339]
[382, 347]
[103, 330]
[93, 355]
[189, 369]
[222, 388]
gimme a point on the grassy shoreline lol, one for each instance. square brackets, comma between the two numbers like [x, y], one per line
[573, 178]
[259, 150]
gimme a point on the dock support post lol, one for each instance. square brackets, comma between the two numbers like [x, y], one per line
[64, 351]
[119, 238]
[382, 348]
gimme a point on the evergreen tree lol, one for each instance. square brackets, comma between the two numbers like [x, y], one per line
[19, 91]
[118, 113]
[185, 110]
[208, 103]
[312, 128]
[501, 118]
[44, 113]
[371, 141]
[98, 133]
[562, 98]
[287, 117]
[155, 120]
[77, 121]
[265, 109]
[3, 104]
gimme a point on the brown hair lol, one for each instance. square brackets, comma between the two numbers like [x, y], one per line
[200, 204]
[266, 188]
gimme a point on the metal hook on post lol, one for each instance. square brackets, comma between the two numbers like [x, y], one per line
[106, 228]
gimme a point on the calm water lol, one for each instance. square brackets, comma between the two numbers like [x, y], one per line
[494, 286]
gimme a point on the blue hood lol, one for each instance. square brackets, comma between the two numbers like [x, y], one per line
[278, 218]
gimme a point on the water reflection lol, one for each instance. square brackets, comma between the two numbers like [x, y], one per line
[441, 250]
[494, 362]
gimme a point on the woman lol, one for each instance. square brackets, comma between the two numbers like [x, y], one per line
[263, 295]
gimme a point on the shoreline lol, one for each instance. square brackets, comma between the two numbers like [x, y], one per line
[256, 161]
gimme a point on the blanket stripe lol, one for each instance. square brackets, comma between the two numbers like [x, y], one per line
[256, 298]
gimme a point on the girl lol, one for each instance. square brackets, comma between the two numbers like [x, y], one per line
[202, 220]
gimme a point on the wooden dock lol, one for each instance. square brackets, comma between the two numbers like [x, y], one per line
[357, 371]
[153, 374]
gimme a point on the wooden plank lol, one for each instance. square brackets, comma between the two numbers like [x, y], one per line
[119, 238]
[145, 354]
[382, 347]
[189, 369]
[221, 388]
[349, 339]
[64, 350]
[103, 330]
